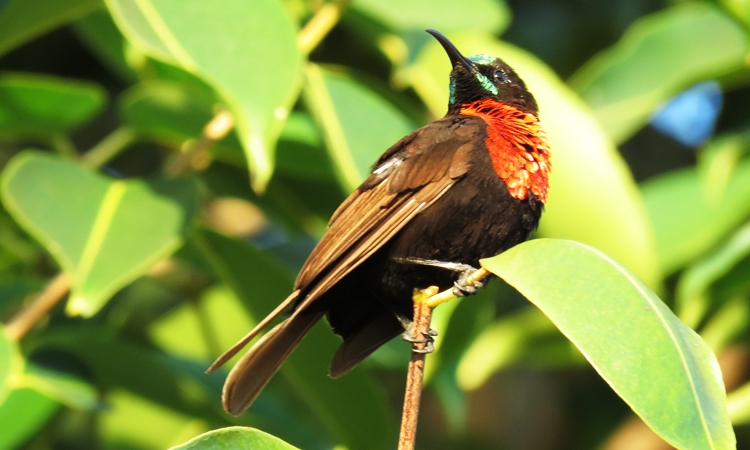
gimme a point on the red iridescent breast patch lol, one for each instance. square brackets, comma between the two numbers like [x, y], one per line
[517, 145]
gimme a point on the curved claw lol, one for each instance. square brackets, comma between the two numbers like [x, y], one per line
[428, 340]
[463, 287]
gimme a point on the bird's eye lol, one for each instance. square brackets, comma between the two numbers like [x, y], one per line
[501, 76]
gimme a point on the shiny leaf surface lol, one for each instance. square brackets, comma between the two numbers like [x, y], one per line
[660, 367]
[218, 41]
[104, 233]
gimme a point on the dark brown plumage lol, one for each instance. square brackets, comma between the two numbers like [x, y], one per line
[462, 188]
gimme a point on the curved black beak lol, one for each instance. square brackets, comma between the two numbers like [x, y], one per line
[453, 53]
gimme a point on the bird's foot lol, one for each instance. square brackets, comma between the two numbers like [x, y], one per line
[465, 285]
[428, 339]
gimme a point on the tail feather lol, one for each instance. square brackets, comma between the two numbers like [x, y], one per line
[381, 328]
[221, 360]
[253, 371]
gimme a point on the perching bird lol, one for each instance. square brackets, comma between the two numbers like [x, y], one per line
[465, 187]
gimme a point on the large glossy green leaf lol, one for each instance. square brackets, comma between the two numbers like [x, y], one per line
[593, 197]
[352, 408]
[232, 438]
[358, 125]
[22, 20]
[220, 42]
[28, 411]
[658, 56]
[660, 367]
[40, 105]
[689, 218]
[104, 233]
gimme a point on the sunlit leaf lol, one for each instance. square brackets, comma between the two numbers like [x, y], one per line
[41, 105]
[358, 125]
[104, 233]
[23, 20]
[28, 411]
[183, 332]
[64, 388]
[694, 283]
[509, 340]
[262, 283]
[687, 219]
[9, 364]
[728, 323]
[652, 62]
[661, 368]
[232, 438]
[738, 402]
[134, 422]
[444, 15]
[219, 42]
[593, 197]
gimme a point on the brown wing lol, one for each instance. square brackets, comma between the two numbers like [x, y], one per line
[411, 175]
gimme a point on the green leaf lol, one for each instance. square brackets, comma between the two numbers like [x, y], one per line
[593, 197]
[183, 331]
[66, 389]
[689, 218]
[232, 438]
[301, 152]
[135, 422]
[10, 364]
[261, 283]
[40, 105]
[165, 110]
[692, 288]
[507, 341]
[28, 411]
[738, 403]
[23, 20]
[358, 125]
[661, 368]
[99, 34]
[660, 55]
[104, 233]
[219, 41]
[171, 382]
[445, 15]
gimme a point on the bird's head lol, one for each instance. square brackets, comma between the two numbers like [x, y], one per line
[480, 77]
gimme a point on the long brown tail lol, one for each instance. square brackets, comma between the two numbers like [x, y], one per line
[253, 371]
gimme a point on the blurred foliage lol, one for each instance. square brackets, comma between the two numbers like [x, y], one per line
[177, 160]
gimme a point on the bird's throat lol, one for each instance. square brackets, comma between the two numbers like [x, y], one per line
[517, 146]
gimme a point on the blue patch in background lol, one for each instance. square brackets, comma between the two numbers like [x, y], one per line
[690, 117]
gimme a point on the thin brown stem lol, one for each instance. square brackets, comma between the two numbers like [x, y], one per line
[109, 147]
[320, 25]
[22, 322]
[197, 154]
[415, 375]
